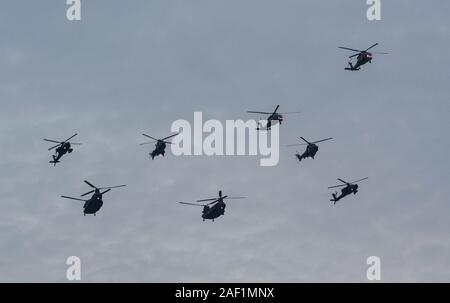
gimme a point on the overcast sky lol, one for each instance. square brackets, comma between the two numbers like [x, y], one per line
[136, 66]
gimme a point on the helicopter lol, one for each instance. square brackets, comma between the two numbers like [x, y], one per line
[362, 57]
[216, 210]
[350, 188]
[93, 205]
[160, 145]
[62, 148]
[273, 117]
[311, 149]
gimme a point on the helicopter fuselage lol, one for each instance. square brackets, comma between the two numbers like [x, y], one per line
[361, 59]
[213, 212]
[310, 152]
[273, 118]
[347, 190]
[93, 205]
[160, 148]
[63, 149]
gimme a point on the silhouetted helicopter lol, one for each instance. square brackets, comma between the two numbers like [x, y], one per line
[273, 117]
[311, 148]
[62, 148]
[160, 145]
[216, 210]
[363, 56]
[93, 205]
[350, 188]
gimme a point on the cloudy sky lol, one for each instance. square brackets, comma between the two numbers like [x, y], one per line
[137, 66]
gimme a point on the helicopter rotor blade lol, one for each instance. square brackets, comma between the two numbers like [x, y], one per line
[111, 187]
[187, 203]
[106, 191]
[350, 49]
[89, 192]
[76, 143]
[206, 200]
[354, 55]
[69, 138]
[288, 113]
[305, 140]
[87, 182]
[343, 181]
[359, 180]
[169, 137]
[66, 197]
[52, 141]
[167, 142]
[371, 47]
[215, 201]
[234, 198]
[298, 144]
[55, 146]
[145, 135]
[322, 140]
[337, 186]
[253, 112]
[276, 108]
[147, 143]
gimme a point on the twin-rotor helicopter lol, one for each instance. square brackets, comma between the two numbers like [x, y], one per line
[93, 204]
[215, 208]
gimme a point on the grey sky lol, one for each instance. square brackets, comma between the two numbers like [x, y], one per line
[134, 66]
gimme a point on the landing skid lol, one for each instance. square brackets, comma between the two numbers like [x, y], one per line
[53, 162]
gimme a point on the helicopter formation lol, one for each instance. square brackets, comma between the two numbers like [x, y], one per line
[215, 207]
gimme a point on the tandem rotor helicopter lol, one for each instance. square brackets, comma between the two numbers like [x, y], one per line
[273, 118]
[311, 148]
[362, 57]
[93, 205]
[350, 188]
[62, 148]
[160, 146]
[216, 210]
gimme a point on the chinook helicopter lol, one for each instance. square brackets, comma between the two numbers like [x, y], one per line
[350, 188]
[93, 205]
[62, 148]
[160, 146]
[362, 57]
[311, 148]
[216, 210]
[273, 118]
